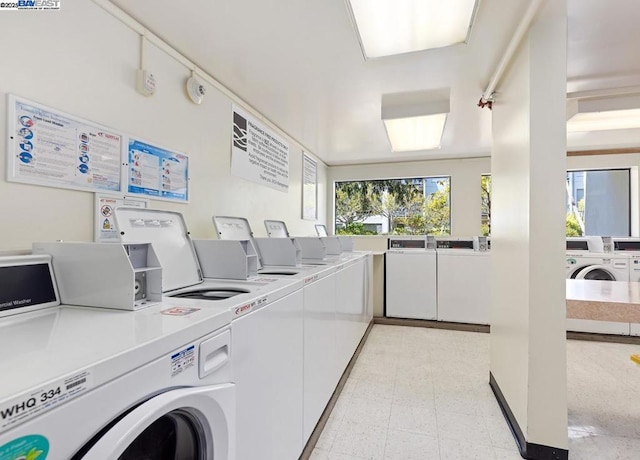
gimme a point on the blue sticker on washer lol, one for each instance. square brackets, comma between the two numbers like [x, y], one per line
[32, 447]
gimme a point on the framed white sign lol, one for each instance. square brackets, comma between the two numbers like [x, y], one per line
[257, 153]
[52, 148]
[156, 172]
[309, 188]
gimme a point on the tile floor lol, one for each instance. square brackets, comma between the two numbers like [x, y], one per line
[420, 393]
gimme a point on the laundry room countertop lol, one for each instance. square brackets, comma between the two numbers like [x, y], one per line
[617, 301]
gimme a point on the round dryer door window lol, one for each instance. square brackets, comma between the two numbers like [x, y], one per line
[177, 435]
[180, 424]
[594, 272]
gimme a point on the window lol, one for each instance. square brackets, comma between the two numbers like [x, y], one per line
[485, 206]
[413, 206]
[598, 202]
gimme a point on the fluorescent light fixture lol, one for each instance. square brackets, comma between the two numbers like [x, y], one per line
[601, 121]
[600, 114]
[387, 27]
[416, 133]
[415, 121]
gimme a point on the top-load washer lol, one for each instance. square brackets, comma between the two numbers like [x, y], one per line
[267, 329]
[95, 383]
[267, 249]
[410, 278]
[464, 280]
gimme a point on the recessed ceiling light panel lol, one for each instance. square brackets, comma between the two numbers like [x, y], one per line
[415, 133]
[388, 27]
[603, 121]
[415, 120]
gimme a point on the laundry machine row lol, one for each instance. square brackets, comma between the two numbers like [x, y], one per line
[337, 302]
[271, 335]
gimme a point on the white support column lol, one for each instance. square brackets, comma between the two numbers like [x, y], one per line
[528, 165]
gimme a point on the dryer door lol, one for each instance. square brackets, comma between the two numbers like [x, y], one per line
[184, 424]
[594, 272]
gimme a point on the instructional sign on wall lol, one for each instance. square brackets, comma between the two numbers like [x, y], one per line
[49, 147]
[105, 230]
[257, 153]
[309, 188]
[157, 172]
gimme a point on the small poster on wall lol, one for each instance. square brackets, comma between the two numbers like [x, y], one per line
[52, 148]
[105, 230]
[157, 172]
[257, 153]
[309, 188]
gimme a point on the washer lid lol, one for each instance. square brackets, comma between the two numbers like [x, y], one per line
[236, 228]
[168, 233]
[276, 229]
[232, 228]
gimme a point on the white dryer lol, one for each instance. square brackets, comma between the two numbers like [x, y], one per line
[597, 266]
[410, 279]
[95, 384]
[464, 281]
[630, 247]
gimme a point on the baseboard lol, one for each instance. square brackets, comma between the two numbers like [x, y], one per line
[317, 431]
[466, 327]
[527, 450]
[594, 337]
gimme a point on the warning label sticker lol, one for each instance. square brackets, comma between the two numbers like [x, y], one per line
[183, 360]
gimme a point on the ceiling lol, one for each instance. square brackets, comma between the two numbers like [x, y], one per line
[300, 64]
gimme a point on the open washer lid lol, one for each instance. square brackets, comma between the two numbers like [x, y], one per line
[276, 229]
[321, 230]
[236, 228]
[168, 233]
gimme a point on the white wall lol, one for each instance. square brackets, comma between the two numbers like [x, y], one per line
[465, 185]
[81, 60]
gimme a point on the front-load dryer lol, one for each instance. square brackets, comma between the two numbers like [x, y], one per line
[95, 384]
[630, 246]
[597, 266]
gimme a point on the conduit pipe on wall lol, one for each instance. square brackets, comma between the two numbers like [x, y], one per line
[488, 95]
[137, 27]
